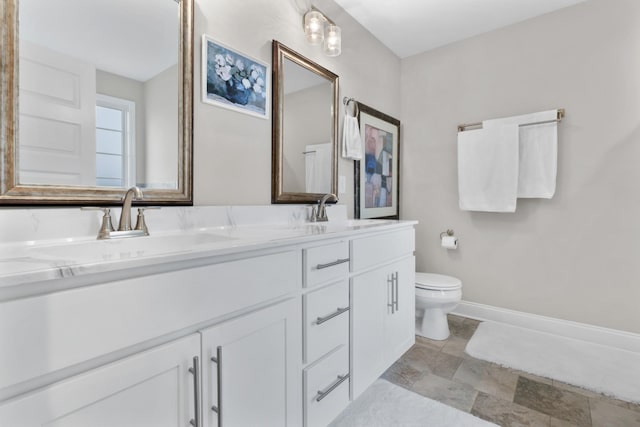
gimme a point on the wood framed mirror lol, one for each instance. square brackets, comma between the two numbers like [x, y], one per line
[304, 128]
[96, 97]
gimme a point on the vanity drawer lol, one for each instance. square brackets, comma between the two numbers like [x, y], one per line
[381, 248]
[326, 319]
[326, 388]
[325, 263]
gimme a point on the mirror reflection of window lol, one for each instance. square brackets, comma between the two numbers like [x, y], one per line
[115, 142]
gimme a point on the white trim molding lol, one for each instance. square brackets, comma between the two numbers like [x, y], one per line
[566, 328]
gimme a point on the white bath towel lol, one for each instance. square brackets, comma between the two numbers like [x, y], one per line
[317, 168]
[538, 153]
[351, 141]
[488, 169]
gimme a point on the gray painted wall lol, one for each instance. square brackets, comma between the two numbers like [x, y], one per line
[161, 98]
[577, 255]
[232, 151]
[307, 123]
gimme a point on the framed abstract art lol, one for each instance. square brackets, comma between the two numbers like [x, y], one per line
[377, 178]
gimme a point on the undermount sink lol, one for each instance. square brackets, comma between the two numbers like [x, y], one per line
[126, 248]
[367, 222]
[283, 231]
[352, 223]
[88, 251]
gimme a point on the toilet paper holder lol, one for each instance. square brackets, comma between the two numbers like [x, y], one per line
[446, 233]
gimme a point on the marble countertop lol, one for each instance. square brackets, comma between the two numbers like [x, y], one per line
[40, 261]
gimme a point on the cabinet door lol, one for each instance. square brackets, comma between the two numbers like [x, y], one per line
[382, 320]
[370, 297]
[400, 319]
[252, 370]
[154, 388]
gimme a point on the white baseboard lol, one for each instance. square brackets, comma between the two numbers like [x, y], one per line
[581, 331]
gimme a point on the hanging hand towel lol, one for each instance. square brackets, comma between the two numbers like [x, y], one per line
[351, 142]
[538, 153]
[488, 169]
[317, 168]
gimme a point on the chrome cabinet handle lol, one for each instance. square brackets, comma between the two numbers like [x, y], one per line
[331, 264]
[218, 361]
[395, 278]
[195, 370]
[392, 304]
[338, 312]
[324, 393]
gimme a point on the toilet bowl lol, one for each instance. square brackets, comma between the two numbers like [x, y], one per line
[436, 296]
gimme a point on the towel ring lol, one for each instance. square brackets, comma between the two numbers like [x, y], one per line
[356, 109]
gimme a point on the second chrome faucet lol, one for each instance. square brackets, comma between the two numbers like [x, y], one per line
[134, 193]
[320, 214]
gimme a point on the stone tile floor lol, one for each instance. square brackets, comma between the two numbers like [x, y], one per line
[442, 371]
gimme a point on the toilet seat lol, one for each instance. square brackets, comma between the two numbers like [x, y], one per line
[437, 282]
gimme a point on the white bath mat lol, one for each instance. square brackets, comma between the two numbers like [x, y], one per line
[388, 405]
[595, 367]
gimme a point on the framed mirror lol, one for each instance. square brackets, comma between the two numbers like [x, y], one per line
[305, 128]
[96, 97]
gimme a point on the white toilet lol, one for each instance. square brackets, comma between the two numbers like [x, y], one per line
[436, 296]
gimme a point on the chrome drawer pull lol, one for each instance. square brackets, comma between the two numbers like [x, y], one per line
[331, 264]
[321, 320]
[195, 422]
[218, 361]
[391, 304]
[324, 393]
[395, 276]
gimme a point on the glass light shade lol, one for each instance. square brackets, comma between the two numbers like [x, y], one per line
[314, 27]
[332, 40]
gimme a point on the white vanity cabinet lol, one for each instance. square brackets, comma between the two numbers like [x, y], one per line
[251, 370]
[154, 388]
[107, 328]
[274, 333]
[382, 304]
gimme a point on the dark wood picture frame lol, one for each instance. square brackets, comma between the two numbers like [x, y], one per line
[377, 177]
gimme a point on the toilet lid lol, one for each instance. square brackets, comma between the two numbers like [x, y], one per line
[436, 281]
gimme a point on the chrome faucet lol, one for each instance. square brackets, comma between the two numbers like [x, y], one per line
[320, 215]
[134, 193]
[124, 227]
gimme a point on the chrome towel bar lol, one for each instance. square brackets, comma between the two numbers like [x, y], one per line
[463, 127]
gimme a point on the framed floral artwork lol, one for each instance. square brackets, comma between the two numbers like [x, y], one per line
[233, 80]
[377, 178]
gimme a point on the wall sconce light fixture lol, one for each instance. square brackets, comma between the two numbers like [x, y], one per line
[319, 29]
